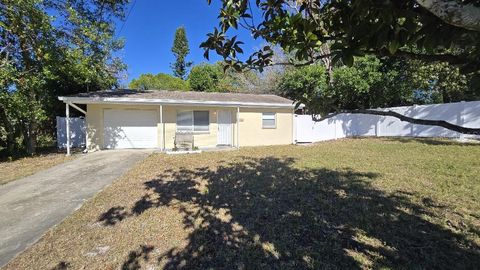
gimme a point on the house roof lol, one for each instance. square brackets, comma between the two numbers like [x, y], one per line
[126, 96]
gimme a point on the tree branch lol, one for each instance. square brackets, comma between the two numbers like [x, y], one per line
[426, 122]
[312, 61]
[447, 57]
[465, 16]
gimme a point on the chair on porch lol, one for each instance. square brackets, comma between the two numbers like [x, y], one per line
[184, 140]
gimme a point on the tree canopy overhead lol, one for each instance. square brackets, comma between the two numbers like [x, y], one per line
[427, 30]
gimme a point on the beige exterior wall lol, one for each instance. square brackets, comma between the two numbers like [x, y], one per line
[203, 139]
[253, 134]
[250, 126]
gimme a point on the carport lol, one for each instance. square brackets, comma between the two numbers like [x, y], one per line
[67, 120]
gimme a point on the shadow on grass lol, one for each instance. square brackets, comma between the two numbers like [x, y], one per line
[430, 141]
[136, 256]
[113, 216]
[263, 213]
[62, 266]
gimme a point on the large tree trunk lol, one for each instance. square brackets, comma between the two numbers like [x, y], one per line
[466, 16]
[439, 123]
[327, 61]
[31, 140]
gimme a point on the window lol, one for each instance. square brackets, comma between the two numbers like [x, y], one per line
[201, 121]
[269, 120]
[184, 121]
[197, 121]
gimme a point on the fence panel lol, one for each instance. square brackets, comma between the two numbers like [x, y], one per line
[311, 131]
[349, 125]
[77, 132]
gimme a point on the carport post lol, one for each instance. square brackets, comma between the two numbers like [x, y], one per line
[67, 120]
[238, 126]
[162, 124]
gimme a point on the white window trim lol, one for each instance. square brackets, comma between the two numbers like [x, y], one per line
[193, 122]
[274, 118]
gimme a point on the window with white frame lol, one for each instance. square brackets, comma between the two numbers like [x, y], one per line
[269, 120]
[193, 121]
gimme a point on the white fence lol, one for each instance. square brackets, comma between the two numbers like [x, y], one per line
[77, 132]
[465, 114]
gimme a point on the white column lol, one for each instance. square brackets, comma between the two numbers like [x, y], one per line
[294, 128]
[162, 125]
[238, 127]
[67, 119]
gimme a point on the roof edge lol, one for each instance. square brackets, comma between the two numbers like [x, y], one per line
[99, 100]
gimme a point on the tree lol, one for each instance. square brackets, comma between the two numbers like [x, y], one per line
[439, 83]
[429, 31]
[308, 85]
[180, 50]
[355, 87]
[369, 83]
[161, 81]
[43, 56]
[426, 30]
[465, 14]
[207, 78]
[216, 78]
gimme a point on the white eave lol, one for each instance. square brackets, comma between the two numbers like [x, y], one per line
[144, 101]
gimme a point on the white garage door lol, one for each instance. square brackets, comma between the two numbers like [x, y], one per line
[130, 129]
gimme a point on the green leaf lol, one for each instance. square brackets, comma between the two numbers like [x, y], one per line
[393, 46]
[347, 59]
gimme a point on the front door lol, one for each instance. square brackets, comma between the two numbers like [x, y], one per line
[225, 127]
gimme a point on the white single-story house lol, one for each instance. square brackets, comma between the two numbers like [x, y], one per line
[150, 119]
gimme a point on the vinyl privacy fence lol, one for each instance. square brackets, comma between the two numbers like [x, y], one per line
[77, 132]
[466, 114]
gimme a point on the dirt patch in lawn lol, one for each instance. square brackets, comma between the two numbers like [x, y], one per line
[13, 170]
[363, 203]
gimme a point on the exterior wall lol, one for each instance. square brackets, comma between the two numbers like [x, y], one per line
[94, 120]
[203, 139]
[250, 126]
[253, 134]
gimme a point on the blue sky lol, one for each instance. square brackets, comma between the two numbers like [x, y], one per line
[150, 28]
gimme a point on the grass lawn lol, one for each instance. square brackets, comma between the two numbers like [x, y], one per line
[347, 204]
[13, 170]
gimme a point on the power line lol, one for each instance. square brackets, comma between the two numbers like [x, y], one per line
[126, 18]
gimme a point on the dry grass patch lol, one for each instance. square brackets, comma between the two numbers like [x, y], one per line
[363, 203]
[13, 170]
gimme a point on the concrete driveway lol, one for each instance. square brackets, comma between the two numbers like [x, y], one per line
[31, 205]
